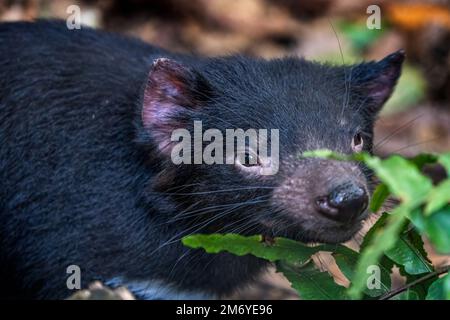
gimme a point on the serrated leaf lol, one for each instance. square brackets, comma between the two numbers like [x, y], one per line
[422, 159]
[280, 249]
[444, 160]
[384, 239]
[376, 228]
[379, 196]
[438, 197]
[436, 227]
[324, 153]
[440, 289]
[421, 288]
[409, 253]
[347, 261]
[312, 284]
[402, 178]
[381, 245]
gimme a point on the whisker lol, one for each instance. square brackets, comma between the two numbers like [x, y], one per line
[203, 211]
[396, 131]
[417, 144]
[214, 191]
[197, 227]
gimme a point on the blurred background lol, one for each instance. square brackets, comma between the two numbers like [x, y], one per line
[416, 119]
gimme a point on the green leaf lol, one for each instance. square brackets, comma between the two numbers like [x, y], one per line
[444, 160]
[409, 253]
[376, 229]
[312, 284]
[386, 243]
[422, 159]
[383, 239]
[379, 196]
[324, 153]
[402, 178]
[437, 228]
[280, 249]
[440, 289]
[420, 288]
[347, 261]
[438, 198]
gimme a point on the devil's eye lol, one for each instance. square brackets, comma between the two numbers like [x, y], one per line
[248, 159]
[251, 159]
[357, 142]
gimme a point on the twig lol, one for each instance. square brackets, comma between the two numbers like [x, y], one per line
[397, 291]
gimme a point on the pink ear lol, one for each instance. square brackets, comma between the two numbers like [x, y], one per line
[171, 92]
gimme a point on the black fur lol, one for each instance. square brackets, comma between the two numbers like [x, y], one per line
[82, 180]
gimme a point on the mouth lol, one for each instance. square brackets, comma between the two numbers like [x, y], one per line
[315, 230]
[338, 234]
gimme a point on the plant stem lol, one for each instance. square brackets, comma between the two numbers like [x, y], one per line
[407, 286]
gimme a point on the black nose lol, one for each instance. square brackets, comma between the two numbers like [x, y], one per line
[344, 203]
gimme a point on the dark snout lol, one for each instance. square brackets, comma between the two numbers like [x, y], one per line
[344, 203]
[326, 191]
[326, 200]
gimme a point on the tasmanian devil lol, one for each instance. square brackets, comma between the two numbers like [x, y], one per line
[87, 176]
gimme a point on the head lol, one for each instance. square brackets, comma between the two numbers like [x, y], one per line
[312, 106]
